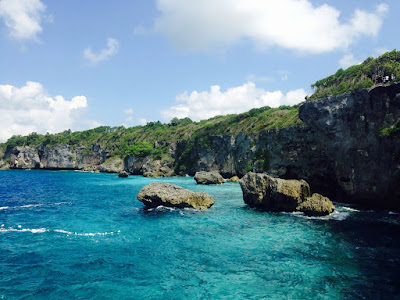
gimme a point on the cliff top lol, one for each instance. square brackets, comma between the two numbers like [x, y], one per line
[372, 72]
[120, 140]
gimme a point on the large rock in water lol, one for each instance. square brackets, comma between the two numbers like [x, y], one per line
[123, 174]
[208, 177]
[316, 205]
[158, 193]
[275, 194]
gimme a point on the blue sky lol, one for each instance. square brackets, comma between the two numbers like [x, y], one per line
[80, 64]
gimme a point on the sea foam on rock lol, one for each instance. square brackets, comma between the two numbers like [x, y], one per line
[274, 194]
[212, 177]
[170, 195]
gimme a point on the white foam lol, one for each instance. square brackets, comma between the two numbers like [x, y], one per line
[42, 230]
[336, 215]
[34, 230]
[350, 209]
[393, 213]
[33, 205]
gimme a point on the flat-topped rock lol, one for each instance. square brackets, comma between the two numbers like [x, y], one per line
[170, 195]
[213, 177]
[274, 194]
[316, 205]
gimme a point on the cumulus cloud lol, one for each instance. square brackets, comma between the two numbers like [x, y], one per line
[207, 104]
[94, 58]
[23, 18]
[128, 111]
[203, 25]
[348, 60]
[30, 109]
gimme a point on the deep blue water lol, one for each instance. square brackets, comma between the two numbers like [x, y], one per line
[67, 234]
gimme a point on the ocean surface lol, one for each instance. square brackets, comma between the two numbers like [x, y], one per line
[79, 235]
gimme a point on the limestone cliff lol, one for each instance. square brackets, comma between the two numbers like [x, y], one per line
[340, 151]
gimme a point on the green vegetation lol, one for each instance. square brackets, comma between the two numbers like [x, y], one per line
[370, 73]
[139, 140]
[391, 131]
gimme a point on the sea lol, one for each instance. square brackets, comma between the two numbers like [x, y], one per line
[82, 235]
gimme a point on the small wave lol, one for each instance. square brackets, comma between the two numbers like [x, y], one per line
[393, 213]
[349, 209]
[33, 205]
[43, 230]
[161, 208]
[336, 215]
[34, 230]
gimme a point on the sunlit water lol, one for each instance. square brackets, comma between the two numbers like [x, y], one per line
[68, 234]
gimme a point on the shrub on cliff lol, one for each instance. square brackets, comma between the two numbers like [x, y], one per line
[365, 75]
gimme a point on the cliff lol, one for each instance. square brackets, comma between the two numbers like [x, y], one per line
[341, 150]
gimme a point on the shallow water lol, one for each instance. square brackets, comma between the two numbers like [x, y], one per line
[66, 234]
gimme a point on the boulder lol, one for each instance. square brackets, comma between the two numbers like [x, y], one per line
[113, 165]
[233, 179]
[170, 195]
[316, 205]
[123, 174]
[213, 177]
[273, 194]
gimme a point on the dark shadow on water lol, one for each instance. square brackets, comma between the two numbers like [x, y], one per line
[373, 238]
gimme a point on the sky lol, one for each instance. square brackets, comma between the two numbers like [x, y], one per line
[70, 64]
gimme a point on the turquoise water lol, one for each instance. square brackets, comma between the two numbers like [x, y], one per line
[67, 234]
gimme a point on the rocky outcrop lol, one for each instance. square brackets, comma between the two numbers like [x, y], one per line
[123, 174]
[208, 178]
[316, 205]
[233, 179]
[274, 194]
[149, 167]
[170, 195]
[340, 151]
[112, 165]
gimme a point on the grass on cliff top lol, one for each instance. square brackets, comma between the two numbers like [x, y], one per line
[365, 75]
[119, 140]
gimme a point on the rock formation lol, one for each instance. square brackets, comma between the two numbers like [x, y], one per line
[316, 205]
[208, 177]
[233, 179]
[340, 151]
[123, 174]
[170, 195]
[274, 194]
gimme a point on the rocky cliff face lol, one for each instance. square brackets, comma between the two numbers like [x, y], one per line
[340, 151]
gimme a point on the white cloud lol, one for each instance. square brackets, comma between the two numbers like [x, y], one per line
[207, 104]
[348, 60]
[23, 18]
[94, 58]
[128, 111]
[142, 121]
[204, 25]
[29, 109]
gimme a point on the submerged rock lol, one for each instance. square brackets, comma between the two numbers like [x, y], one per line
[213, 177]
[123, 174]
[275, 194]
[170, 195]
[316, 205]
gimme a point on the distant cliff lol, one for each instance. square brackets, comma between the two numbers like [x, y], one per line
[347, 148]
